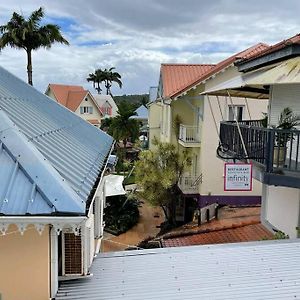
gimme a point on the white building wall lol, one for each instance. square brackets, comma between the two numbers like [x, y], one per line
[282, 96]
[96, 115]
[212, 167]
[281, 205]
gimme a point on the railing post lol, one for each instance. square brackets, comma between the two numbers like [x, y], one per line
[270, 151]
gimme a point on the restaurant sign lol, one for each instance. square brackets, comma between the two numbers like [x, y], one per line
[237, 177]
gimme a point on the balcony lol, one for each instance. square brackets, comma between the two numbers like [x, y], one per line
[275, 153]
[189, 136]
[190, 184]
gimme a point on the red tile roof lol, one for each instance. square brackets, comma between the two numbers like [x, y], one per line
[176, 77]
[252, 231]
[290, 41]
[61, 92]
[75, 98]
[235, 224]
[249, 52]
[94, 121]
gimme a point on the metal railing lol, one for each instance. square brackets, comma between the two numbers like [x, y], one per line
[190, 184]
[271, 148]
[189, 134]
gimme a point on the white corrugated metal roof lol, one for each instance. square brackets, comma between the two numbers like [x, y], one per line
[50, 157]
[256, 270]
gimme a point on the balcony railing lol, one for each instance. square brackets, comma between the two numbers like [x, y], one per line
[274, 149]
[190, 184]
[189, 134]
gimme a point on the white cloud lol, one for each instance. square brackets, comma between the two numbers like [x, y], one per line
[135, 36]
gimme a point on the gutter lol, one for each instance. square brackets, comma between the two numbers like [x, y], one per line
[100, 180]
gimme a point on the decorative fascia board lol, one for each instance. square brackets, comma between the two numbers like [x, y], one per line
[58, 223]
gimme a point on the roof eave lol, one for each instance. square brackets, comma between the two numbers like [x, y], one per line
[288, 51]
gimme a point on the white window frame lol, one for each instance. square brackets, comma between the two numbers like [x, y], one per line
[236, 112]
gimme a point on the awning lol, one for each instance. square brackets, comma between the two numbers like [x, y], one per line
[256, 84]
[240, 86]
[114, 185]
[287, 72]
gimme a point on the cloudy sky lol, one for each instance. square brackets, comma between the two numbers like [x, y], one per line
[136, 36]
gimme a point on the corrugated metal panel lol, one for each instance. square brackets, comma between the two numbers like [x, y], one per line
[73, 147]
[260, 270]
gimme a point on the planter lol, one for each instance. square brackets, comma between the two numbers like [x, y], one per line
[279, 156]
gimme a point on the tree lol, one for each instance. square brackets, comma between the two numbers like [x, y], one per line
[97, 78]
[29, 35]
[144, 101]
[122, 126]
[158, 172]
[109, 76]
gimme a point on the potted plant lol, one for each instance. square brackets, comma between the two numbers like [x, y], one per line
[287, 121]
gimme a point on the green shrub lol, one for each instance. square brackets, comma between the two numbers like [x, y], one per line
[121, 213]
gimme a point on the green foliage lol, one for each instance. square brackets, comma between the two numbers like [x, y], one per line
[135, 100]
[265, 120]
[279, 235]
[122, 127]
[176, 125]
[30, 35]
[287, 120]
[105, 123]
[158, 172]
[108, 76]
[121, 214]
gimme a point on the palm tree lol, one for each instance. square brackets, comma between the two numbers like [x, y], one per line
[29, 35]
[109, 76]
[96, 78]
[122, 126]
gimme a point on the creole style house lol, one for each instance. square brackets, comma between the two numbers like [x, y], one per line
[51, 193]
[182, 116]
[271, 146]
[107, 105]
[78, 100]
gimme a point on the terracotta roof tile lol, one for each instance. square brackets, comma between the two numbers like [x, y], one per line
[249, 52]
[234, 224]
[176, 77]
[75, 98]
[61, 91]
[290, 41]
[94, 121]
[233, 234]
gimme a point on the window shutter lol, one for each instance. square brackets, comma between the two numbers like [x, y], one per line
[81, 110]
[90, 109]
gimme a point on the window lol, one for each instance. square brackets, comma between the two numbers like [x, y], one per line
[235, 110]
[106, 110]
[86, 109]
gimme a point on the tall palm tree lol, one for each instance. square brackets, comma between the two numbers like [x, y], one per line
[29, 35]
[97, 78]
[122, 126]
[110, 76]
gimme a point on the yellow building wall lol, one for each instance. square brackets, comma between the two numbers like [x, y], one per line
[155, 111]
[25, 264]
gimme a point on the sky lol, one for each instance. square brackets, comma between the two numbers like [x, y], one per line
[136, 36]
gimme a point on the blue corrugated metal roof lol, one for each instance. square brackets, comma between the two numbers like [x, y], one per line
[69, 153]
[141, 113]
